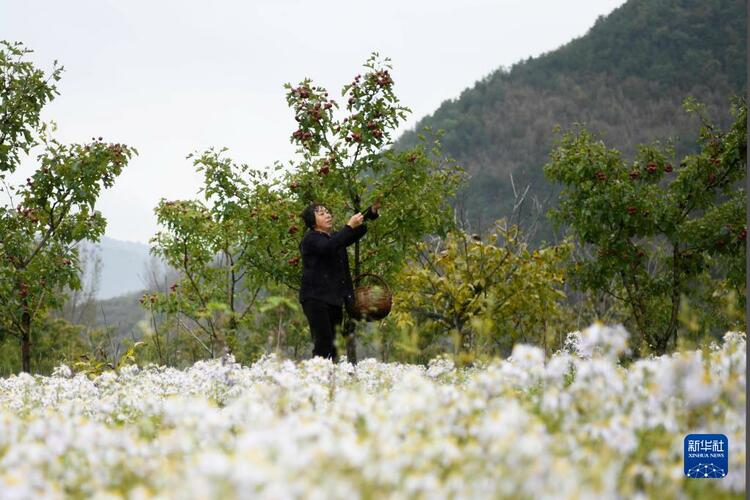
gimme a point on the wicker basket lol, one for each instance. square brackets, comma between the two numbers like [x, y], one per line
[371, 302]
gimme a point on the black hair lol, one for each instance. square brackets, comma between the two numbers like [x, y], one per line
[308, 214]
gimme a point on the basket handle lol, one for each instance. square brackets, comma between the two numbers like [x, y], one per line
[355, 280]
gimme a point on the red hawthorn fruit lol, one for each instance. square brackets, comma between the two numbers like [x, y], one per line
[274, 217]
[293, 229]
[632, 210]
[668, 167]
[294, 185]
[293, 261]
[634, 174]
[743, 233]
[651, 167]
[716, 161]
[324, 170]
[357, 137]
[601, 176]
[66, 262]
[173, 287]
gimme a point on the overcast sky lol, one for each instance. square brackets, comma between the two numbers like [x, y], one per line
[173, 77]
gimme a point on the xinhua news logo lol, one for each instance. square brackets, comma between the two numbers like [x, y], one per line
[706, 456]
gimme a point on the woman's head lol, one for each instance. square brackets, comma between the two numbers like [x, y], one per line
[317, 216]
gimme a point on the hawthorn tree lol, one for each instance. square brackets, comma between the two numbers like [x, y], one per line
[252, 218]
[347, 164]
[226, 247]
[653, 226]
[43, 220]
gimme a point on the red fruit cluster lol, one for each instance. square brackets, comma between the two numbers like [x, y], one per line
[23, 289]
[651, 167]
[383, 78]
[293, 229]
[173, 287]
[274, 217]
[302, 92]
[632, 210]
[302, 135]
[668, 167]
[315, 112]
[634, 174]
[294, 185]
[601, 176]
[374, 129]
[743, 233]
[324, 171]
[293, 261]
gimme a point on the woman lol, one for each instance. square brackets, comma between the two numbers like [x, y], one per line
[326, 278]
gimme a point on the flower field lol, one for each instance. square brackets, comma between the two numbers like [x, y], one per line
[576, 426]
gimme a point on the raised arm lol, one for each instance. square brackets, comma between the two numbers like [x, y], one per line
[321, 244]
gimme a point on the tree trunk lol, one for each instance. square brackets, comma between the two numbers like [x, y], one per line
[350, 326]
[26, 340]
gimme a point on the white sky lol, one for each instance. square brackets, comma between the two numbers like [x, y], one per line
[173, 77]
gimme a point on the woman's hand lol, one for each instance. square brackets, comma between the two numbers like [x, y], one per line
[355, 220]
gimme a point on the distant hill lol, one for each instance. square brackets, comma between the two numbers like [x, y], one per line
[123, 266]
[626, 79]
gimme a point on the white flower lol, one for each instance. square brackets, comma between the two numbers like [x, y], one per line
[599, 339]
[62, 371]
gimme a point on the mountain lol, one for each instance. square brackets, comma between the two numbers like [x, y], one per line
[625, 79]
[122, 267]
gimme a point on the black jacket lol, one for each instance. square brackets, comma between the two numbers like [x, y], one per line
[325, 265]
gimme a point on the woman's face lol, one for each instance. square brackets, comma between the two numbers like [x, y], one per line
[323, 219]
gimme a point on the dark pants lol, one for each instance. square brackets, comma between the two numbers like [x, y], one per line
[325, 319]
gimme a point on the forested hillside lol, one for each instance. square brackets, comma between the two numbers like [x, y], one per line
[626, 79]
